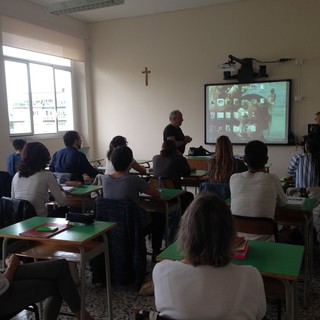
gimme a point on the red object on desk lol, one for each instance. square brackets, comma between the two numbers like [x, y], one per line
[241, 248]
[41, 234]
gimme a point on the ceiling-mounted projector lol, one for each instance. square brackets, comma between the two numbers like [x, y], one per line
[72, 6]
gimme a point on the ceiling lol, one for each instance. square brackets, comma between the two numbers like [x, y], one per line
[135, 8]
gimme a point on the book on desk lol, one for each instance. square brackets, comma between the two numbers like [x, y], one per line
[296, 201]
[241, 248]
[45, 230]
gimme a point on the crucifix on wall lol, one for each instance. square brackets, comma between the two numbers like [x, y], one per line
[146, 72]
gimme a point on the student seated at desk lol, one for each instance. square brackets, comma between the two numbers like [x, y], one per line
[305, 170]
[32, 182]
[71, 160]
[169, 164]
[205, 285]
[256, 193]
[223, 165]
[119, 141]
[121, 185]
[305, 167]
[50, 280]
[13, 159]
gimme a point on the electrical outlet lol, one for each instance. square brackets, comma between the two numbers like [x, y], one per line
[298, 98]
[298, 61]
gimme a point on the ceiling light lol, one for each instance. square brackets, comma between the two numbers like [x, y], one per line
[72, 6]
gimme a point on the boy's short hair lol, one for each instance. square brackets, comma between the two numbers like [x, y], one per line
[256, 154]
[69, 137]
[121, 158]
[18, 144]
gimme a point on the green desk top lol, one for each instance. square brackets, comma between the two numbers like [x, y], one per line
[307, 206]
[199, 157]
[84, 190]
[197, 173]
[75, 235]
[168, 194]
[165, 194]
[271, 259]
[142, 161]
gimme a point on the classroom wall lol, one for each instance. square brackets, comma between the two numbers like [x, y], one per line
[182, 50]
[28, 12]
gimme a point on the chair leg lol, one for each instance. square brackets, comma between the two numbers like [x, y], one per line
[34, 308]
[279, 309]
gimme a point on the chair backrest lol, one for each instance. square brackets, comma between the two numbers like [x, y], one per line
[127, 248]
[162, 182]
[5, 184]
[222, 190]
[256, 225]
[15, 210]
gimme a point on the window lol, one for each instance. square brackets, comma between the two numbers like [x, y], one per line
[39, 92]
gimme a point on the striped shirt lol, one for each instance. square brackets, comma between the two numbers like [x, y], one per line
[302, 168]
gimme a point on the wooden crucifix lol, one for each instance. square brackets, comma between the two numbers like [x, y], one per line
[146, 72]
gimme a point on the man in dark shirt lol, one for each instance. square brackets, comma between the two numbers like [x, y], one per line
[173, 131]
[71, 160]
[13, 159]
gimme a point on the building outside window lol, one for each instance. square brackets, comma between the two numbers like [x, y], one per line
[39, 92]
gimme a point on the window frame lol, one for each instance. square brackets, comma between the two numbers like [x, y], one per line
[54, 67]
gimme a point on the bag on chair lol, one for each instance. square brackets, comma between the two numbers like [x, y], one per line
[197, 152]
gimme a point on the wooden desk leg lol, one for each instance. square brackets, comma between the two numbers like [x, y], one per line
[108, 276]
[166, 233]
[83, 281]
[308, 259]
[166, 226]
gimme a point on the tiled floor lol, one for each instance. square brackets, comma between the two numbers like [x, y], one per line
[124, 299]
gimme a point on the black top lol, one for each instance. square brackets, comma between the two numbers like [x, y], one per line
[171, 167]
[172, 131]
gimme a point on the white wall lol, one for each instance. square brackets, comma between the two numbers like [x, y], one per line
[182, 50]
[31, 13]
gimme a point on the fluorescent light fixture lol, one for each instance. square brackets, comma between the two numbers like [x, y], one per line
[72, 6]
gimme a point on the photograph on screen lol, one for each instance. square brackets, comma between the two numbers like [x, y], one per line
[248, 111]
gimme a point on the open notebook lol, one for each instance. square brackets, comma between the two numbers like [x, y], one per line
[297, 201]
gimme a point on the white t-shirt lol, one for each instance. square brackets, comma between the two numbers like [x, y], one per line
[109, 167]
[256, 195]
[185, 292]
[36, 189]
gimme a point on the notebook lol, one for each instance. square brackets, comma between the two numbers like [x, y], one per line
[296, 201]
[242, 247]
[67, 188]
[57, 228]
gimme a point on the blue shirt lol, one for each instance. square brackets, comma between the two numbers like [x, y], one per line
[73, 161]
[13, 161]
[302, 168]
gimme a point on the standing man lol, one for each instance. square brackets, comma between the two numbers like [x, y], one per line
[71, 160]
[173, 131]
